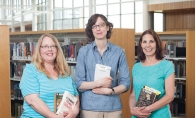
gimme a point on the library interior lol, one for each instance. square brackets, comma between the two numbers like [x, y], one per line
[22, 22]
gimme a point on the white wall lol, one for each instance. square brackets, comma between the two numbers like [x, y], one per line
[165, 1]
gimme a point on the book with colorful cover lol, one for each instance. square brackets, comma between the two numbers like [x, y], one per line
[147, 96]
[64, 102]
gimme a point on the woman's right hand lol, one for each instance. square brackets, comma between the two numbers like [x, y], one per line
[105, 82]
[137, 111]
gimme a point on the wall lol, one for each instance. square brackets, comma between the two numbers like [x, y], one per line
[180, 21]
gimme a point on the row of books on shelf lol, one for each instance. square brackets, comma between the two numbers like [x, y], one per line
[180, 89]
[175, 48]
[16, 110]
[17, 68]
[71, 51]
[25, 50]
[22, 50]
[15, 91]
[180, 68]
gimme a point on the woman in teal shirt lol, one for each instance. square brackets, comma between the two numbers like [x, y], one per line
[155, 72]
[47, 74]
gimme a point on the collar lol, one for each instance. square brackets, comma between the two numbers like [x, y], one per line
[95, 47]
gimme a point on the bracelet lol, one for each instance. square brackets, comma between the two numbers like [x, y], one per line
[112, 91]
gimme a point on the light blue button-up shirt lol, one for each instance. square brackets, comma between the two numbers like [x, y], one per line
[88, 57]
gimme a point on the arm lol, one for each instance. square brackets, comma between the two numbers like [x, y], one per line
[108, 91]
[81, 81]
[169, 96]
[123, 76]
[104, 82]
[38, 105]
[132, 100]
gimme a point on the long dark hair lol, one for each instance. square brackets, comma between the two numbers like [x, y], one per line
[159, 50]
[92, 20]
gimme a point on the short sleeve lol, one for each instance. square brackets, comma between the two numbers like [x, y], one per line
[169, 69]
[80, 68]
[29, 83]
[124, 71]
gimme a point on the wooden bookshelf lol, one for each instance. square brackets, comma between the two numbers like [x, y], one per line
[125, 39]
[121, 37]
[5, 101]
[190, 74]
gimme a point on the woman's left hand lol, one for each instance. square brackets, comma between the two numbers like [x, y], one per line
[146, 110]
[105, 91]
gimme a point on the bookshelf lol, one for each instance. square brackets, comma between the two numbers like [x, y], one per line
[5, 103]
[121, 37]
[188, 36]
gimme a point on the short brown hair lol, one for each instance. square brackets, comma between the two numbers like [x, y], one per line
[159, 51]
[92, 20]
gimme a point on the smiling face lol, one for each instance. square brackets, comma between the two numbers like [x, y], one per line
[48, 50]
[148, 45]
[100, 29]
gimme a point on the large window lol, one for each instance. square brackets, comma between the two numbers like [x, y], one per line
[71, 14]
[42, 18]
[75, 13]
[122, 13]
[158, 22]
[9, 11]
[139, 16]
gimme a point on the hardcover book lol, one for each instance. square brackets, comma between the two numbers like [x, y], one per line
[64, 102]
[147, 96]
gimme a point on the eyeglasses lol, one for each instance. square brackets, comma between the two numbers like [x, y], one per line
[47, 47]
[100, 26]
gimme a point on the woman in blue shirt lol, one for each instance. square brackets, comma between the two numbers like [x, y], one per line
[47, 74]
[101, 98]
[155, 72]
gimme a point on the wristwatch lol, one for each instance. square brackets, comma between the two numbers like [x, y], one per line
[112, 93]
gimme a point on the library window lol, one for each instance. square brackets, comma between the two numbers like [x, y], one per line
[67, 3]
[101, 9]
[158, 22]
[122, 13]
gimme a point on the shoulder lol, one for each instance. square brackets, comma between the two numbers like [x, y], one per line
[30, 66]
[137, 65]
[85, 48]
[166, 63]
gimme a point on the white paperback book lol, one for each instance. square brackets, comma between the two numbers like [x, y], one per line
[68, 102]
[101, 71]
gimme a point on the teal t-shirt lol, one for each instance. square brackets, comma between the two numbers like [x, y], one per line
[35, 82]
[153, 76]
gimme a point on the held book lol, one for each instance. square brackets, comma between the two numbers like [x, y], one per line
[101, 71]
[147, 96]
[64, 102]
